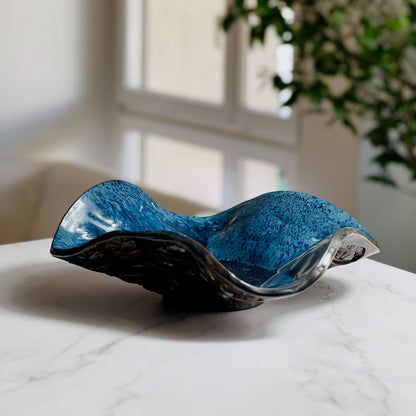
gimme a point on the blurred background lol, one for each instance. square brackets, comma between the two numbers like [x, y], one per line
[153, 91]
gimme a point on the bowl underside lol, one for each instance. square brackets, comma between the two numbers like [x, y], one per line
[188, 276]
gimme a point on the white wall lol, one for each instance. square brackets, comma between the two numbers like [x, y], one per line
[56, 79]
[389, 214]
[333, 165]
[328, 162]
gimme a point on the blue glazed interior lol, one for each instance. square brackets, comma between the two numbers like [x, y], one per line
[252, 239]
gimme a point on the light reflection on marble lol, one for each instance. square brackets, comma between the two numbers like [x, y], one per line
[77, 342]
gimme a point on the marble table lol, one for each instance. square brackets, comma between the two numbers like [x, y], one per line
[74, 342]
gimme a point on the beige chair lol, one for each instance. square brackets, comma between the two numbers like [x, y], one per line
[35, 195]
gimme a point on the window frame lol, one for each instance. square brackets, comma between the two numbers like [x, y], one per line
[228, 118]
[232, 147]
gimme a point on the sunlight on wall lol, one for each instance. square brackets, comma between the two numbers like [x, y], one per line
[41, 62]
[189, 170]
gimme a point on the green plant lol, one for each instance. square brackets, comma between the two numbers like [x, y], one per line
[369, 47]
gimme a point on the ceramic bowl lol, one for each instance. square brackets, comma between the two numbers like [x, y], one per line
[276, 245]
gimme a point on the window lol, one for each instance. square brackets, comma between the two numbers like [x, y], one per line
[162, 43]
[215, 170]
[258, 177]
[261, 63]
[177, 167]
[193, 99]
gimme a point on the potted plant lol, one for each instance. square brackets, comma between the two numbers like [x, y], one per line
[368, 47]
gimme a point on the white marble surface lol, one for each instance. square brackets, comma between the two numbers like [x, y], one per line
[75, 342]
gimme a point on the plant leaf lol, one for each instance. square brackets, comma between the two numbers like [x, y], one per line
[382, 179]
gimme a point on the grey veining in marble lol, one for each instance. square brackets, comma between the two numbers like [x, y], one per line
[86, 344]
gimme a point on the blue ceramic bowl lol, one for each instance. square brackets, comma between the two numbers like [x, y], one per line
[275, 245]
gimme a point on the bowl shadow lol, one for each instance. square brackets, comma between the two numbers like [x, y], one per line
[69, 293]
